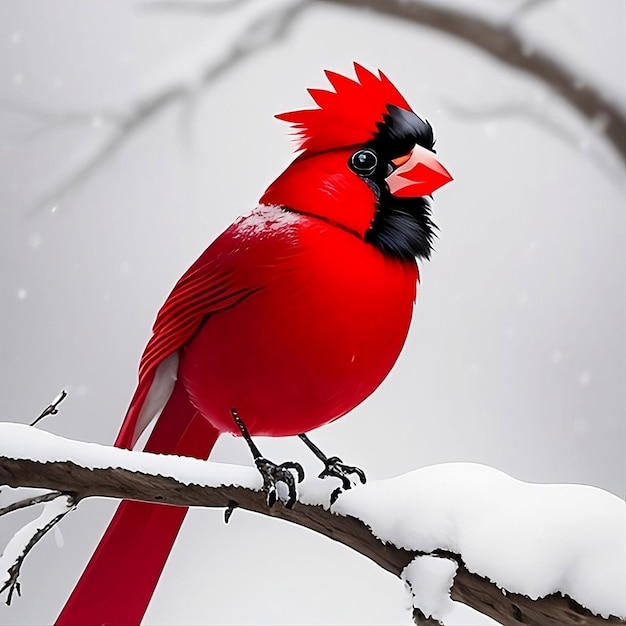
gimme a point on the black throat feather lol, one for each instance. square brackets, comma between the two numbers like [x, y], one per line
[402, 227]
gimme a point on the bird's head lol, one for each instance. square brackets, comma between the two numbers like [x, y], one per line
[367, 165]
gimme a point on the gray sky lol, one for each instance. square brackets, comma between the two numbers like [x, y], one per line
[516, 355]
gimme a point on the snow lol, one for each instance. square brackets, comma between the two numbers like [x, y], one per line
[17, 546]
[429, 580]
[59, 397]
[18, 441]
[58, 537]
[266, 218]
[527, 538]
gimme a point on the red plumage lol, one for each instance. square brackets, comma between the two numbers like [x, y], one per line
[347, 116]
[291, 317]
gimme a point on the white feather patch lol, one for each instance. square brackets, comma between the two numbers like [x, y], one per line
[160, 391]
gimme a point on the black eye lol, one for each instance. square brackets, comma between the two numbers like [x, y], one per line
[364, 162]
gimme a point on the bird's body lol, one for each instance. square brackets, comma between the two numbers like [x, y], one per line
[293, 316]
[313, 287]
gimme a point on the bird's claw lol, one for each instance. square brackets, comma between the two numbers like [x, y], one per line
[273, 474]
[336, 468]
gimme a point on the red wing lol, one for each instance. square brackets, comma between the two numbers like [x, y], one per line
[197, 294]
[207, 287]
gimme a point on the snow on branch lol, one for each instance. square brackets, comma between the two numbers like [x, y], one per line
[16, 551]
[518, 552]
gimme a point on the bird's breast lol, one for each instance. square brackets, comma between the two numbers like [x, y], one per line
[325, 321]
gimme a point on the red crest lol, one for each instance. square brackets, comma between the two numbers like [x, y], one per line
[347, 116]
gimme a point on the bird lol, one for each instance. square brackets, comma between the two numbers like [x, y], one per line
[292, 317]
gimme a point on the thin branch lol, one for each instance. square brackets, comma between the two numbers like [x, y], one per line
[508, 46]
[26, 539]
[48, 121]
[23, 504]
[268, 29]
[590, 141]
[126, 127]
[193, 6]
[261, 33]
[469, 588]
[526, 7]
[51, 409]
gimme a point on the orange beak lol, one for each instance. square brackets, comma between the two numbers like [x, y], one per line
[417, 174]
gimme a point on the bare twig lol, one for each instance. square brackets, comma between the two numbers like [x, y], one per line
[511, 109]
[525, 7]
[127, 125]
[588, 141]
[39, 527]
[48, 121]
[23, 504]
[51, 409]
[194, 6]
[262, 32]
[26, 539]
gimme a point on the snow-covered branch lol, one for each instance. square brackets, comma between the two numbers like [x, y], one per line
[15, 553]
[520, 553]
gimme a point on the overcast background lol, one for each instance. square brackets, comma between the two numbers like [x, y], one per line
[516, 356]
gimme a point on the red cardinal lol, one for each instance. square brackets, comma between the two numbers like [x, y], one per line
[288, 320]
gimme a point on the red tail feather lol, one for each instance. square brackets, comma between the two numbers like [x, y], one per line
[121, 576]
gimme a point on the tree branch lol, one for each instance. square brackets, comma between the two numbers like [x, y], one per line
[525, 7]
[85, 476]
[261, 32]
[508, 46]
[500, 40]
[27, 538]
[588, 141]
[28, 502]
[193, 6]
[51, 409]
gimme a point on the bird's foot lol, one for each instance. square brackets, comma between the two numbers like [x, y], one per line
[335, 467]
[274, 474]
